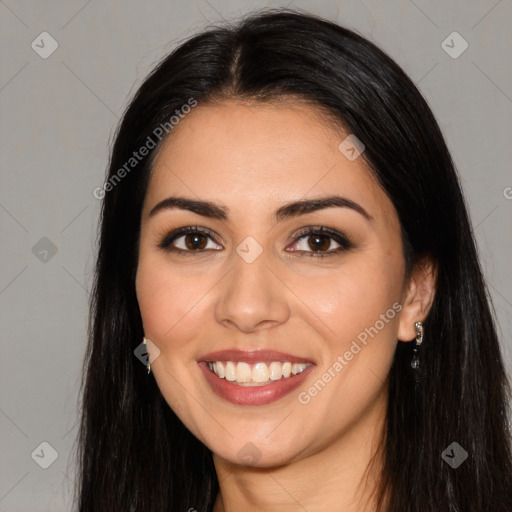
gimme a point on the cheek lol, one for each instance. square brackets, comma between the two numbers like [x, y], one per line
[359, 308]
[167, 308]
[174, 306]
[163, 302]
[354, 296]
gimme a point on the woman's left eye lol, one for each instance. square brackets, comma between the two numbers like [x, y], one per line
[319, 240]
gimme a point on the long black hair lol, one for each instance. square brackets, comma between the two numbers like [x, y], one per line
[133, 451]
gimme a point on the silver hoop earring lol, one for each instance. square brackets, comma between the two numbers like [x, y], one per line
[415, 363]
[148, 366]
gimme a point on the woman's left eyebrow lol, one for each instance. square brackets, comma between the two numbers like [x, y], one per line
[292, 209]
[305, 206]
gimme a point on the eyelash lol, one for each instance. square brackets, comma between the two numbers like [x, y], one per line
[344, 241]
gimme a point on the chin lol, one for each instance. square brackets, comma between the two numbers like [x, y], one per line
[251, 453]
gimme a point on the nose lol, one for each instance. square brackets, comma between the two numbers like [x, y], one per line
[252, 297]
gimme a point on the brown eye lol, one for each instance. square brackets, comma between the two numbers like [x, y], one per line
[189, 240]
[195, 241]
[317, 242]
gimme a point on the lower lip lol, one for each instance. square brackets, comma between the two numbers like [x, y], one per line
[253, 395]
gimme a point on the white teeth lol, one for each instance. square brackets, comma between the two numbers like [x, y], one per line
[298, 368]
[275, 370]
[230, 371]
[243, 372]
[219, 369]
[259, 374]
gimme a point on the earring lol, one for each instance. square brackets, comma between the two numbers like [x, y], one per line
[148, 366]
[415, 363]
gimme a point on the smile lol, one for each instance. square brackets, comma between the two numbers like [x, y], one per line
[258, 374]
[255, 377]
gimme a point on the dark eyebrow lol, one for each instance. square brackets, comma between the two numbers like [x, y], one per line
[312, 205]
[293, 209]
[204, 208]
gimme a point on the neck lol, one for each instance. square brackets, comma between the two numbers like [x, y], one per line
[343, 476]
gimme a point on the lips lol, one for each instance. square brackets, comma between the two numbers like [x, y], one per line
[248, 392]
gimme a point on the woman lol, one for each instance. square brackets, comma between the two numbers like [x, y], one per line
[284, 233]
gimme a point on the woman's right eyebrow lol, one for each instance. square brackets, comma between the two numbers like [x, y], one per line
[204, 208]
[289, 210]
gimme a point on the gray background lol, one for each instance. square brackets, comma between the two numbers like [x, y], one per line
[58, 115]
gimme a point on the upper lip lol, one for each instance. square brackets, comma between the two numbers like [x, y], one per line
[252, 356]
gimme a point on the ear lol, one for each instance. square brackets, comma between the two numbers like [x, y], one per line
[417, 298]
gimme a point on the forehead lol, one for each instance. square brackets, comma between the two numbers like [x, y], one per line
[257, 156]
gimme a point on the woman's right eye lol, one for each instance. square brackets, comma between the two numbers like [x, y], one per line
[188, 240]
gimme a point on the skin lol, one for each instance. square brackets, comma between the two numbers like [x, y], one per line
[252, 159]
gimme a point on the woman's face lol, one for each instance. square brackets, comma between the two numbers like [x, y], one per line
[255, 282]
